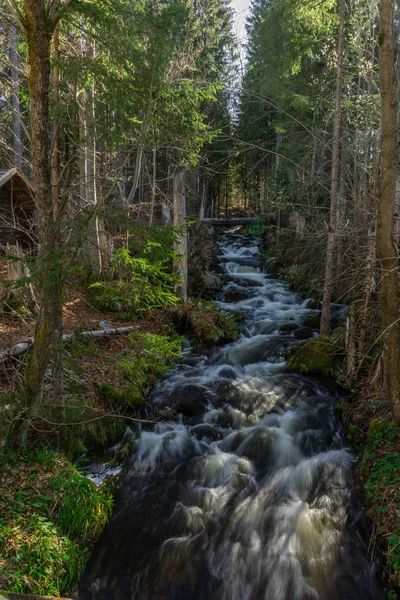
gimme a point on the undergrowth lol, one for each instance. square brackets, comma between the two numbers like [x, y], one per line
[205, 323]
[136, 284]
[50, 515]
[149, 357]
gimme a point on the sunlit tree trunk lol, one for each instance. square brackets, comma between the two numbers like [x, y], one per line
[49, 272]
[330, 247]
[180, 245]
[17, 138]
[386, 251]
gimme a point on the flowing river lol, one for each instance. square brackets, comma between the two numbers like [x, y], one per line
[251, 498]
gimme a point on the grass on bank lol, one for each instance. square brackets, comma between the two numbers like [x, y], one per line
[50, 516]
[373, 433]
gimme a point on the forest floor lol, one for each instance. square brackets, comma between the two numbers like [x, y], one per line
[50, 513]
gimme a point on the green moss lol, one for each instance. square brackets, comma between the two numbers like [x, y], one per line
[205, 323]
[340, 407]
[120, 396]
[50, 515]
[86, 430]
[140, 366]
[150, 358]
[315, 357]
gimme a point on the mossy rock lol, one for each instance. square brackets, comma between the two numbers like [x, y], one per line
[288, 328]
[313, 321]
[315, 357]
[340, 407]
[235, 296]
[205, 323]
[303, 333]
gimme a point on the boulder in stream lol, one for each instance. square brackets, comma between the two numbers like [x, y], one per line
[315, 357]
[303, 333]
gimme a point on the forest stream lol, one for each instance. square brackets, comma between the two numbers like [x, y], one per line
[255, 496]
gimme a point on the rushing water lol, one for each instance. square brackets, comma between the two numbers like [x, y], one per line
[252, 497]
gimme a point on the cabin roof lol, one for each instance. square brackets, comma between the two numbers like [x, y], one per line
[15, 175]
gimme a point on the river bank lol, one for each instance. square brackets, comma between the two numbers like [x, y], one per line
[43, 546]
[366, 414]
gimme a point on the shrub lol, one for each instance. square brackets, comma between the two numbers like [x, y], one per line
[138, 285]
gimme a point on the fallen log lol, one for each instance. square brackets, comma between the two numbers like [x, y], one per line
[24, 345]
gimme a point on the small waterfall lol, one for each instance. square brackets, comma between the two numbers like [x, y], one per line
[251, 497]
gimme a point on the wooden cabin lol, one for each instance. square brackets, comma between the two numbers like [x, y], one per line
[17, 211]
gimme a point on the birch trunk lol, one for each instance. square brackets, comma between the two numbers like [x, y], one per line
[180, 246]
[330, 246]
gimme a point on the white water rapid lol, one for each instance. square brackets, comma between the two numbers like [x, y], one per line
[250, 494]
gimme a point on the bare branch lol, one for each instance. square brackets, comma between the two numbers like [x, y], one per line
[17, 14]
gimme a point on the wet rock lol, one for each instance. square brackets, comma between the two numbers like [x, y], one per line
[190, 400]
[192, 360]
[227, 373]
[235, 296]
[206, 431]
[257, 447]
[313, 321]
[288, 328]
[315, 357]
[212, 282]
[314, 304]
[247, 283]
[303, 333]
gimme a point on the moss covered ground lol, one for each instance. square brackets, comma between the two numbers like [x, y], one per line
[376, 439]
[50, 515]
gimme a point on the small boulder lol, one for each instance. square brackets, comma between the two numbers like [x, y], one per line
[288, 328]
[315, 357]
[233, 295]
[313, 321]
[209, 432]
[227, 373]
[189, 400]
[314, 304]
[303, 333]
[212, 282]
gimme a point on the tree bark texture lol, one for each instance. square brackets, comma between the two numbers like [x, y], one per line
[330, 246]
[180, 246]
[386, 251]
[49, 270]
[17, 138]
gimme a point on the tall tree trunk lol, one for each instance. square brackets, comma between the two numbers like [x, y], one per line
[17, 138]
[93, 234]
[180, 246]
[313, 168]
[57, 135]
[49, 323]
[386, 251]
[330, 246]
[153, 186]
